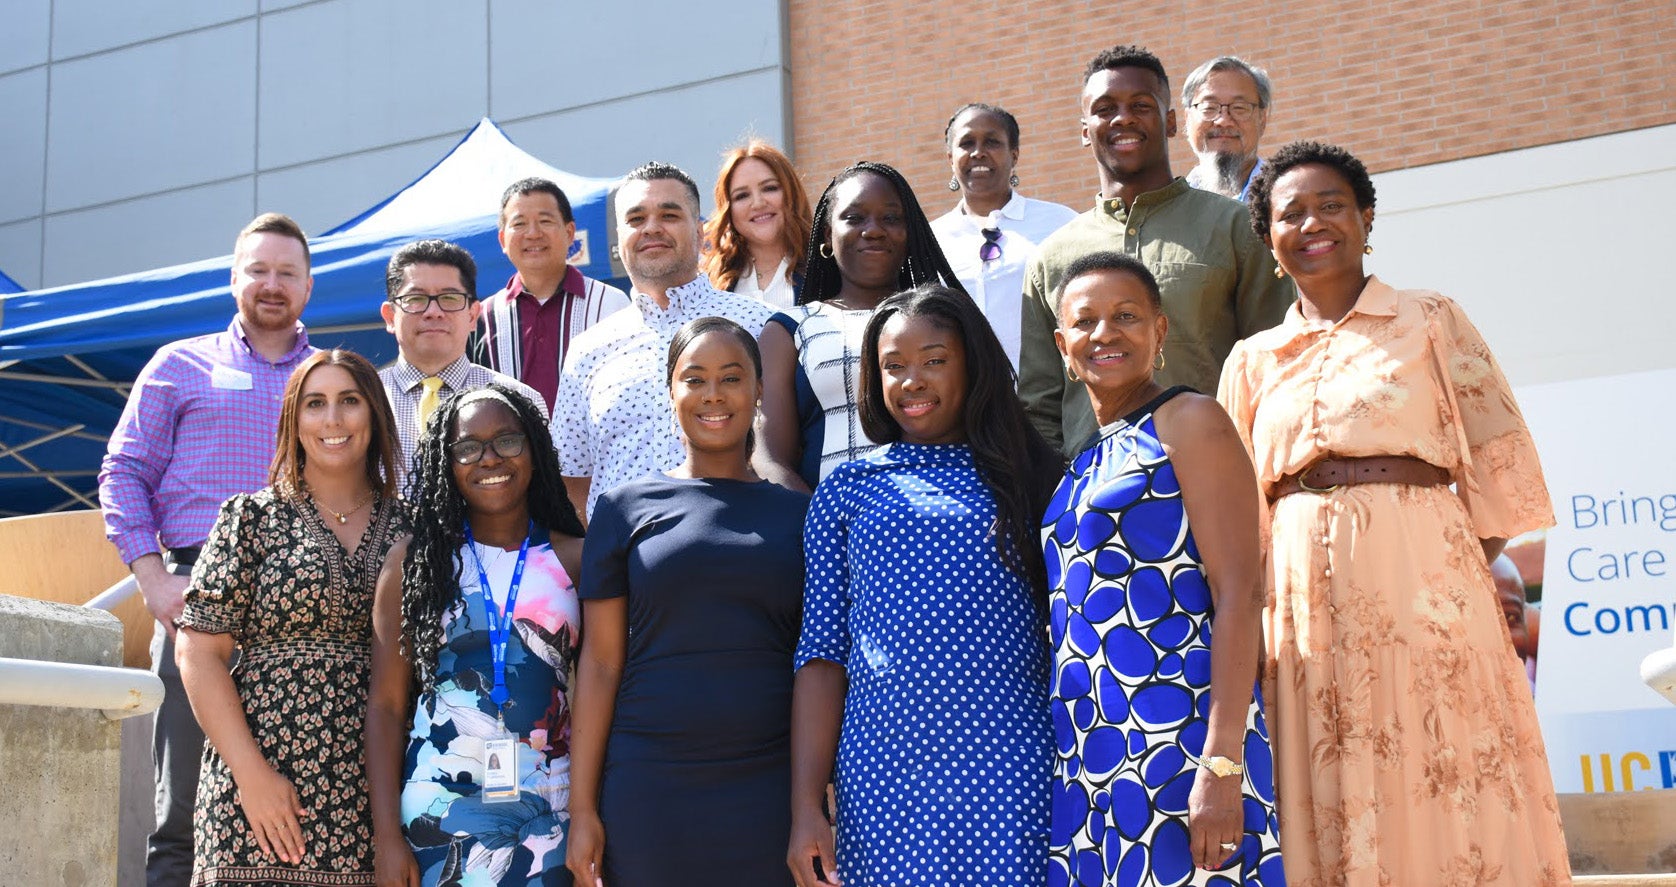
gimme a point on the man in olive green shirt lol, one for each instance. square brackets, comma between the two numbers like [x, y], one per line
[1216, 277]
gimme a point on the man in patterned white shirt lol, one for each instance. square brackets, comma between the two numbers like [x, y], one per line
[613, 420]
[431, 307]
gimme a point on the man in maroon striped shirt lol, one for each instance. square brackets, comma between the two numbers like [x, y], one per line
[199, 427]
[526, 328]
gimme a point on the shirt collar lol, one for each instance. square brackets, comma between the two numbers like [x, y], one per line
[1378, 299]
[299, 349]
[570, 284]
[1014, 209]
[453, 375]
[678, 296]
[1113, 206]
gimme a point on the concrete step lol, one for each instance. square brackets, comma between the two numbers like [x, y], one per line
[1621, 839]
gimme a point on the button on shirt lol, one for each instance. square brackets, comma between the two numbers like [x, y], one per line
[198, 428]
[404, 386]
[613, 421]
[998, 285]
[1216, 277]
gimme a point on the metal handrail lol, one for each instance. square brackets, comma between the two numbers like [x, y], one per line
[108, 599]
[118, 692]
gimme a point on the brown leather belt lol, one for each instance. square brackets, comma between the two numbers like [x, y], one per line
[1329, 474]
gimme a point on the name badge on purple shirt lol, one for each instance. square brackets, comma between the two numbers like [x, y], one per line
[229, 379]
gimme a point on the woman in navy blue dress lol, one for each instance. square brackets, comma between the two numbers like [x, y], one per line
[1163, 775]
[923, 642]
[691, 597]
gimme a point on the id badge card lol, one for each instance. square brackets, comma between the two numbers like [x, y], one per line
[500, 769]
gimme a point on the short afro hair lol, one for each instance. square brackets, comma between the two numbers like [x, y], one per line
[1295, 154]
[1127, 56]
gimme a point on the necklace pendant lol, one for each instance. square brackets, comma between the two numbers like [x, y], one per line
[343, 518]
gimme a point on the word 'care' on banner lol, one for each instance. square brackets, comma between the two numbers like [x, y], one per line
[1609, 578]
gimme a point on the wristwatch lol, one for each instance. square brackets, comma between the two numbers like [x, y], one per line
[1220, 766]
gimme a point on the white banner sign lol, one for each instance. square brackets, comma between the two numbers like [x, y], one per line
[1608, 447]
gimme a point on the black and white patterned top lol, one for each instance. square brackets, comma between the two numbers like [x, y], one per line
[828, 385]
[613, 421]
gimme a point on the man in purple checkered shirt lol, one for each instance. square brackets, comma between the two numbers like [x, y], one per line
[199, 427]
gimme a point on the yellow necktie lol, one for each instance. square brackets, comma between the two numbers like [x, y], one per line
[428, 400]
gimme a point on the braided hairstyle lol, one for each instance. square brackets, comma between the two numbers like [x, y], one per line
[924, 262]
[430, 573]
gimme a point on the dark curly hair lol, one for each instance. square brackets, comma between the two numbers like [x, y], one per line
[1018, 465]
[430, 573]
[1126, 56]
[1295, 154]
[924, 263]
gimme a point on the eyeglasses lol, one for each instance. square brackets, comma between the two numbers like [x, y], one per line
[468, 452]
[1239, 109]
[419, 303]
[990, 249]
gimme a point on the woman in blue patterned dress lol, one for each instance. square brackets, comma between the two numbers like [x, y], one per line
[1163, 774]
[495, 546]
[922, 664]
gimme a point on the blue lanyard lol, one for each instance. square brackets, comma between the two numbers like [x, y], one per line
[500, 622]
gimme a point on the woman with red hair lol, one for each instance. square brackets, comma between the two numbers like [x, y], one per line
[758, 235]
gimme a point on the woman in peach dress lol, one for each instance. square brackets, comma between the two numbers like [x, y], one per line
[1406, 743]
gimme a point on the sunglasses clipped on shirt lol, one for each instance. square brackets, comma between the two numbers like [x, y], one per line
[990, 249]
[468, 451]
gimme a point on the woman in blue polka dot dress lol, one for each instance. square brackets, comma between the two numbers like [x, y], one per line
[924, 621]
[1163, 774]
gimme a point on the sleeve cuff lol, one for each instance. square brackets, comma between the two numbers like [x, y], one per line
[133, 545]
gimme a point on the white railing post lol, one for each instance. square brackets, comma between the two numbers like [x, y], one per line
[118, 692]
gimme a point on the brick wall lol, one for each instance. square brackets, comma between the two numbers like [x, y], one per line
[1398, 84]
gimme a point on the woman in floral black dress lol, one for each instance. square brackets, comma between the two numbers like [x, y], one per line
[286, 579]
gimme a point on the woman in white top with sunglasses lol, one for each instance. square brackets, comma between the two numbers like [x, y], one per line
[992, 233]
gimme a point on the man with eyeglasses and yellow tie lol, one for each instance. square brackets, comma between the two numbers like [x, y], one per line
[431, 309]
[1227, 102]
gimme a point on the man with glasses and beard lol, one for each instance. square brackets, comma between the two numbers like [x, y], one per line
[1227, 102]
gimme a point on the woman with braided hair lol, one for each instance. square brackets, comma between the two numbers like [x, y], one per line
[869, 239]
[475, 628]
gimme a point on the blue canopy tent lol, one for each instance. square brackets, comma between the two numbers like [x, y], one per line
[8, 285]
[68, 355]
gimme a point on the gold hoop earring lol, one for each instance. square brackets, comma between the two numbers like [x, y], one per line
[1069, 374]
[1367, 249]
[1278, 274]
[825, 251]
[1159, 363]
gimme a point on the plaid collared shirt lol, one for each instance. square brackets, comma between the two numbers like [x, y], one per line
[199, 427]
[403, 386]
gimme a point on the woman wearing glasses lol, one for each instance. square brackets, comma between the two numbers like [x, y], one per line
[475, 629]
[870, 239]
[992, 232]
[693, 593]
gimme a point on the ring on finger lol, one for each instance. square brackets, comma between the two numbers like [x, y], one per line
[1230, 847]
